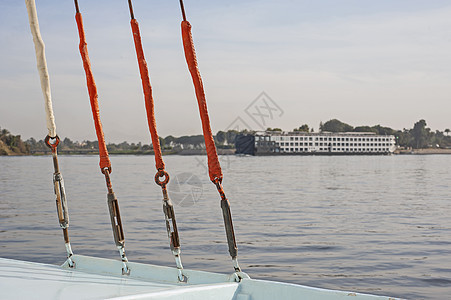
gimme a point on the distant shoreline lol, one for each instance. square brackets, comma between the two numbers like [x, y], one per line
[427, 151]
[131, 152]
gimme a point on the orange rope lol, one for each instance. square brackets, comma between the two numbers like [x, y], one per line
[92, 90]
[214, 168]
[147, 88]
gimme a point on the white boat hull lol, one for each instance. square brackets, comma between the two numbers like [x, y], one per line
[98, 278]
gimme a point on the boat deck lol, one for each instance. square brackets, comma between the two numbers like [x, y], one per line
[97, 278]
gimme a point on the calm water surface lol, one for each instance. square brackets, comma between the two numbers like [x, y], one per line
[378, 225]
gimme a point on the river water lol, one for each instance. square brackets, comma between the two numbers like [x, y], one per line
[372, 224]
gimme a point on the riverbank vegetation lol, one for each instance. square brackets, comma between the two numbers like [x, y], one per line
[12, 144]
[417, 137]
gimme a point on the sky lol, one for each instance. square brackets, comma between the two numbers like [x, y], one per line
[264, 64]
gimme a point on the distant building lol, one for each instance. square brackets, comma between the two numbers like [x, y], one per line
[270, 142]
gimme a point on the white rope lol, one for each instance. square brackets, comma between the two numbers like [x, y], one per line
[42, 65]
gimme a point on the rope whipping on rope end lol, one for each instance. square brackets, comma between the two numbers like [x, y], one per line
[161, 177]
[105, 164]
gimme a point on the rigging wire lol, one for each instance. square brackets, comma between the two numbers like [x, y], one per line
[214, 167]
[105, 163]
[51, 140]
[161, 177]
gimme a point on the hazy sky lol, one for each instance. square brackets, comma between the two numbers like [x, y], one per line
[364, 62]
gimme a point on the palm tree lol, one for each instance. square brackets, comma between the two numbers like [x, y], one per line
[447, 131]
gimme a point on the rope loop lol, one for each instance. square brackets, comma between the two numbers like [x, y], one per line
[218, 182]
[52, 142]
[162, 174]
[109, 169]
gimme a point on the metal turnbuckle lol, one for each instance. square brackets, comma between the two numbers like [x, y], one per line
[118, 232]
[115, 217]
[60, 193]
[61, 202]
[228, 224]
[116, 224]
[63, 214]
[171, 225]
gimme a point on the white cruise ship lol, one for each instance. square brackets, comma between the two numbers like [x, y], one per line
[322, 143]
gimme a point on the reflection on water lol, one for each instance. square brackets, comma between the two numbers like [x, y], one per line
[370, 224]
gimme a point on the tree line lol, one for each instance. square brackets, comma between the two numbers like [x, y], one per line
[12, 144]
[223, 139]
[417, 137]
